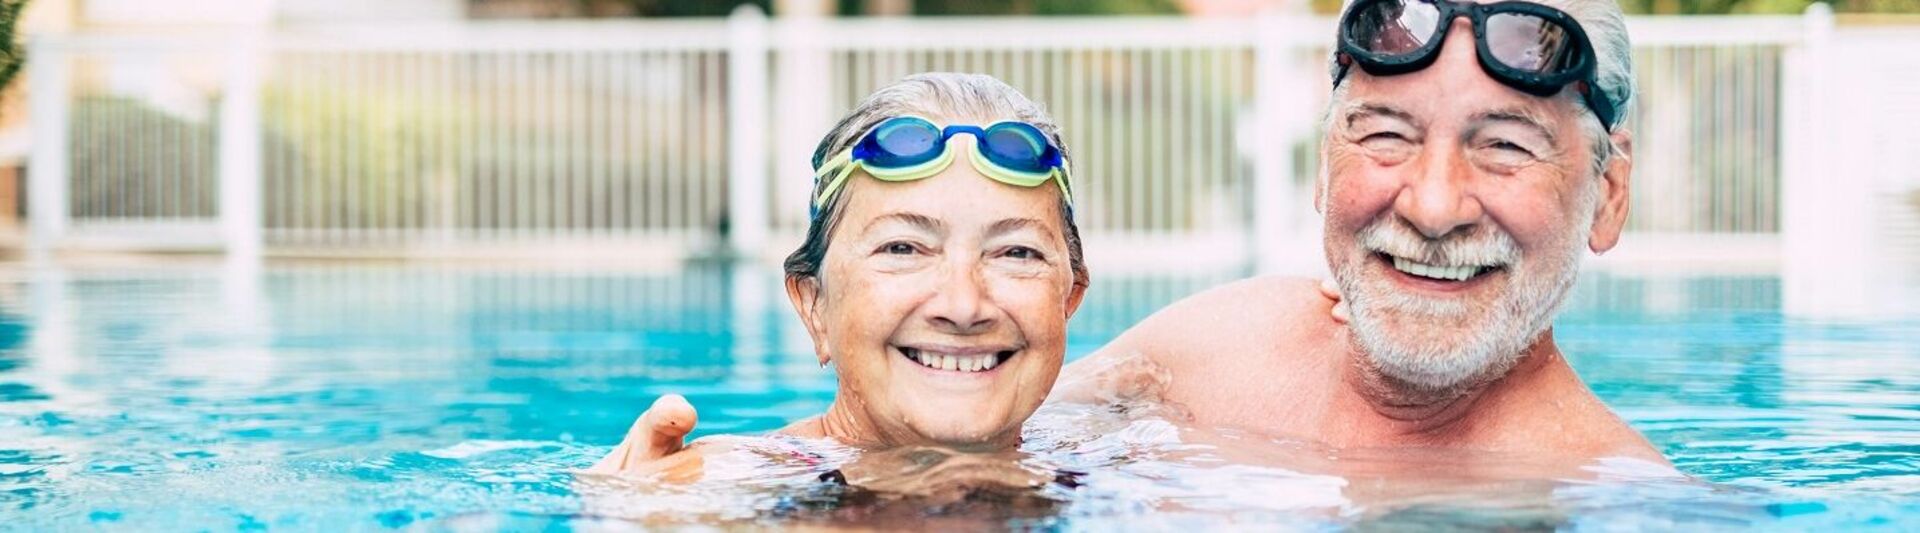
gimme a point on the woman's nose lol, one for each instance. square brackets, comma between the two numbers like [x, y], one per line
[960, 306]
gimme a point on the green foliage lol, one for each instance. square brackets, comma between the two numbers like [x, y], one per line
[1724, 7]
[132, 160]
[11, 56]
[685, 8]
[1041, 7]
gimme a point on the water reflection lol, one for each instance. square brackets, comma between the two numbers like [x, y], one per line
[358, 395]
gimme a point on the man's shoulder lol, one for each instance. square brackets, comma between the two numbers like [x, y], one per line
[1248, 300]
[1250, 313]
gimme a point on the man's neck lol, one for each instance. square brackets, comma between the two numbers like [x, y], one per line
[1419, 413]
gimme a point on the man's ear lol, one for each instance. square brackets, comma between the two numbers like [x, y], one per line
[1610, 215]
[805, 293]
[1320, 184]
[1074, 296]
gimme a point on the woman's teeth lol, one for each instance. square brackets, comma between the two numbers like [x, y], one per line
[959, 363]
[1455, 273]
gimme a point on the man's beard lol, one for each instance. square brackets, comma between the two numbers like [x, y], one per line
[1445, 346]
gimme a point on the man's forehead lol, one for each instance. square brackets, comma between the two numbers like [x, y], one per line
[1427, 107]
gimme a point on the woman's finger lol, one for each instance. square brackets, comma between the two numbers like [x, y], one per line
[657, 434]
[1331, 290]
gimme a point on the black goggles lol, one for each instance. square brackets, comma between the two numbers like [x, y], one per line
[1530, 47]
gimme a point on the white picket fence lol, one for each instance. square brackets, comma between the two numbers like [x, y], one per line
[1195, 136]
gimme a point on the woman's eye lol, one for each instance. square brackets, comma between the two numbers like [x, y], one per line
[897, 248]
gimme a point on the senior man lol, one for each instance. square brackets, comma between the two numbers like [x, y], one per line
[1471, 151]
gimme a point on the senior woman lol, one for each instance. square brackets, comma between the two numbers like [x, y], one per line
[937, 276]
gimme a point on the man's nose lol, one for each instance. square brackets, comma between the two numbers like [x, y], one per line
[1436, 199]
[961, 305]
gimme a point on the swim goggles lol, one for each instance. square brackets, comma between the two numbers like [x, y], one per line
[1530, 47]
[907, 148]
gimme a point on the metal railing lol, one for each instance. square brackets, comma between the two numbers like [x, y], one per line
[1196, 138]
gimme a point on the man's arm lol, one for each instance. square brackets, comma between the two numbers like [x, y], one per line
[1238, 319]
[1195, 338]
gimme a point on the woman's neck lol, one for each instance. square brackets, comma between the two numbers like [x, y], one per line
[846, 422]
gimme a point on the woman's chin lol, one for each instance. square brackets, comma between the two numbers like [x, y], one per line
[959, 422]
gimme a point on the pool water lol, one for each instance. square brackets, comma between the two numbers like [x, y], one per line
[366, 396]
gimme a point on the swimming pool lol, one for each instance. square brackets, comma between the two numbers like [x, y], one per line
[365, 396]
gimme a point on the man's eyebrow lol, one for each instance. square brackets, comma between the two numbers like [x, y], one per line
[1371, 109]
[1515, 115]
[1010, 225]
[923, 222]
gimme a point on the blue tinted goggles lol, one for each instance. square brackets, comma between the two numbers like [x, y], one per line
[907, 148]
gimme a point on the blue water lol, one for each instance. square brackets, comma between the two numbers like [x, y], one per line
[359, 396]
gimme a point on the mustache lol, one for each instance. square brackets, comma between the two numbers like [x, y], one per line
[1479, 245]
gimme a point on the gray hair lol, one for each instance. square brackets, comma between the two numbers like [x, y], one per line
[1606, 27]
[971, 97]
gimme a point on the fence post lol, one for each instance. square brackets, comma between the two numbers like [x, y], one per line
[1823, 228]
[747, 194]
[1274, 201]
[48, 67]
[239, 146]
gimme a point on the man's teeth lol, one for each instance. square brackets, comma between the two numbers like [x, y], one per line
[1455, 273]
[961, 363]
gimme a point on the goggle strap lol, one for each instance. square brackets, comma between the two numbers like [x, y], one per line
[842, 166]
[839, 179]
[1004, 174]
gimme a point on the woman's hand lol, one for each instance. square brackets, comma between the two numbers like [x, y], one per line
[656, 443]
[1331, 290]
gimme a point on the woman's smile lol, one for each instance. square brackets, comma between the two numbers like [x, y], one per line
[958, 359]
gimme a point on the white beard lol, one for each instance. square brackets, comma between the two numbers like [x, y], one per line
[1445, 344]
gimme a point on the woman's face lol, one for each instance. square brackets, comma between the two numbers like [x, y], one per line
[943, 303]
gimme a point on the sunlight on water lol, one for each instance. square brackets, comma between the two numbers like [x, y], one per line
[353, 397]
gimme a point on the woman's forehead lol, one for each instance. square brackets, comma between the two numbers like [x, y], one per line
[958, 196]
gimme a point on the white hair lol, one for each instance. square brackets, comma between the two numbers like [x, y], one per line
[950, 95]
[1444, 346]
[1606, 27]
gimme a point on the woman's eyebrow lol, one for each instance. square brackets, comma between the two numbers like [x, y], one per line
[1010, 225]
[919, 221]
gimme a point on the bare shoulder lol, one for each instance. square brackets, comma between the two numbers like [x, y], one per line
[1200, 337]
[1236, 317]
[1570, 414]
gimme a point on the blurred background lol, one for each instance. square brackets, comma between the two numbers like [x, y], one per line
[276, 258]
[455, 127]
[656, 132]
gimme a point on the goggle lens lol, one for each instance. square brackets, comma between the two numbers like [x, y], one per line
[1394, 28]
[904, 142]
[1016, 146]
[1530, 43]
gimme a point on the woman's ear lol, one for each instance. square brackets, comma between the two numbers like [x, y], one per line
[804, 291]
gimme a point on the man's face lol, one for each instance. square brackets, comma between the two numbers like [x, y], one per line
[1455, 212]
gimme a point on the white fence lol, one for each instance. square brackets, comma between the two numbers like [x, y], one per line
[1195, 137]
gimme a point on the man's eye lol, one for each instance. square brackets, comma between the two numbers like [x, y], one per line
[1383, 136]
[1510, 147]
[1022, 252]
